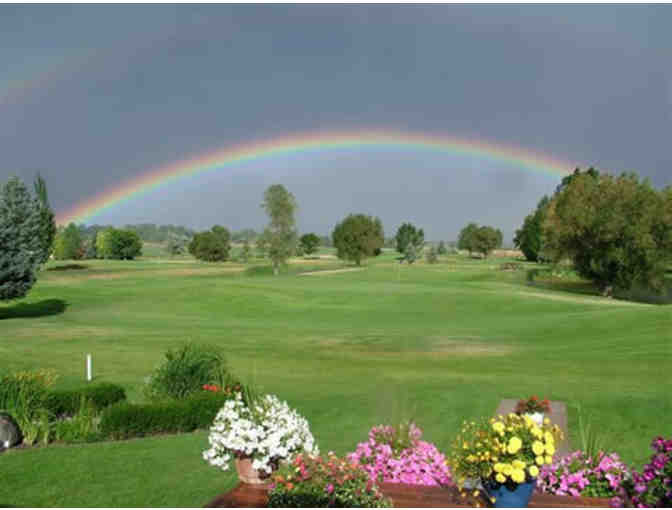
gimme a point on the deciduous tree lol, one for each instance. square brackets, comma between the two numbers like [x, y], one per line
[616, 230]
[309, 243]
[280, 234]
[407, 234]
[529, 237]
[358, 236]
[211, 246]
[68, 244]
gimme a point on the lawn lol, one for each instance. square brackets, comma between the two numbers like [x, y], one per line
[437, 343]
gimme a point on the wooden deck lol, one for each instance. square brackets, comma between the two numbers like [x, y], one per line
[407, 496]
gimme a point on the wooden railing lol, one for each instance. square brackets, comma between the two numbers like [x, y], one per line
[408, 496]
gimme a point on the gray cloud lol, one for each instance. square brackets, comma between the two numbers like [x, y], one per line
[102, 93]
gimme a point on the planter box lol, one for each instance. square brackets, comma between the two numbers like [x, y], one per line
[407, 496]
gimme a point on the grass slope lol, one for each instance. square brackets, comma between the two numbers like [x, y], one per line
[438, 343]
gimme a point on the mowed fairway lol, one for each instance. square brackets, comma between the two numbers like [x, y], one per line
[349, 350]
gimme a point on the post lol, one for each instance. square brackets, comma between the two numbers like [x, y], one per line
[89, 370]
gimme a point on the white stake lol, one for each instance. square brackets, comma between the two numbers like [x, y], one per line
[89, 368]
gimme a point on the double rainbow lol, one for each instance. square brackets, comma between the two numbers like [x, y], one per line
[307, 143]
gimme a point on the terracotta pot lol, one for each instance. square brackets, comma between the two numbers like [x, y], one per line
[247, 474]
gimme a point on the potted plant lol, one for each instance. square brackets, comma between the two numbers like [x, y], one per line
[313, 481]
[505, 455]
[534, 408]
[653, 486]
[581, 474]
[398, 455]
[258, 433]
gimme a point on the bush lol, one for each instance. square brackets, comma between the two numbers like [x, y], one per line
[25, 392]
[81, 427]
[125, 420]
[186, 369]
[68, 402]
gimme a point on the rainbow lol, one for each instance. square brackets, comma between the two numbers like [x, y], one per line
[307, 143]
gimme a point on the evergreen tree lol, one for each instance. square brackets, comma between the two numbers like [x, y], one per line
[47, 221]
[21, 240]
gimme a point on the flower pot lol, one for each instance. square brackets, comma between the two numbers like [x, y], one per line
[537, 418]
[517, 498]
[247, 474]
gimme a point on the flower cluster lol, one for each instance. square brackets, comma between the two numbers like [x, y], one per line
[228, 389]
[578, 474]
[312, 481]
[397, 455]
[266, 430]
[533, 405]
[508, 450]
[653, 486]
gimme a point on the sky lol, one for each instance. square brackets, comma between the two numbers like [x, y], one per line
[94, 95]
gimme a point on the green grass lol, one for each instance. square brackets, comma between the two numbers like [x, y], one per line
[439, 343]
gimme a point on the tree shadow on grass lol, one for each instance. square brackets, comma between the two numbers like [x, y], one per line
[68, 267]
[42, 308]
[638, 294]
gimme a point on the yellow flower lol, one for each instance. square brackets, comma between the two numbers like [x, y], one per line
[497, 467]
[550, 449]
[518, 476]
[498, 426]
[548, 437]
[547, 421]
[536, 432]
[538, 448]
[548, 459]
[507, 469]
[518, 464]
[495, 459]
[539, 460]
[514, 445]
[533, 470]
[500, 478]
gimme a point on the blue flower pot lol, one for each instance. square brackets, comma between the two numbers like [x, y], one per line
[517, 498]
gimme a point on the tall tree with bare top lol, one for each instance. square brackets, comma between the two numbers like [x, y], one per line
[280, 234]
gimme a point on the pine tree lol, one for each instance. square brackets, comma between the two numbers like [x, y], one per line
[21, 241]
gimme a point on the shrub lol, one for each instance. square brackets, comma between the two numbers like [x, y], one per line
[397, 455]
[81, 427]
[186, 369]
[580, 474]
[653, 486]
[25, 391]
[68, 402]
[125, 420]
[317, 482]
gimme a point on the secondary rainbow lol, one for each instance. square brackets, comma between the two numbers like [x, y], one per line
[306, 143]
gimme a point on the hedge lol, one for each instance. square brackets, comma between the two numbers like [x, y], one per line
[125, 420]
[67, 402]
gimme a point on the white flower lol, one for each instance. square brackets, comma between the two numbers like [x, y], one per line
[274, 432]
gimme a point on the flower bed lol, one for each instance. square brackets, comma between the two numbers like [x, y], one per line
[398, 455]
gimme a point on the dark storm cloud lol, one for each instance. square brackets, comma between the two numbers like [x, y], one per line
[91, 95]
